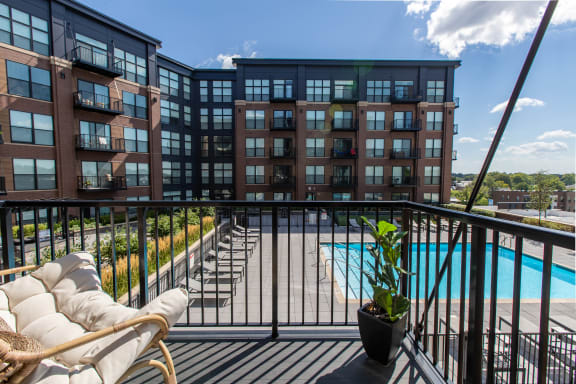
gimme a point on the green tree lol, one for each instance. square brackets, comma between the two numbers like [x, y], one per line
[568, 179]
[464, 195]
[540, 197]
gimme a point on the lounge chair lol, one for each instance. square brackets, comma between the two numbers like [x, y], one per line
[248, 234]
[236, 248]
[81, 334]
[250, 230]
[354, 224]
[241, 240]
[195, 287]
[373, 222]
[211, 272]
[238, 258]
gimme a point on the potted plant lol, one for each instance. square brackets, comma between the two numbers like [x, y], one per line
[382, 321]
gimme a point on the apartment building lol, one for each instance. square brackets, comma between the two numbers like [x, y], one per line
[91, 110]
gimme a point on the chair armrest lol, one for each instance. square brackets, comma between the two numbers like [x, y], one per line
[35, 356]
[18, 270]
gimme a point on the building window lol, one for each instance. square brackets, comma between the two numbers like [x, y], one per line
[403, 89]
[222, 194]
[17, 28]
[315, 119]
[204, 118]
[97, 174]
[401, 175]
[403, 120]
[135, 105]
[30, 174]
[205, 194]
[314, 147]
[342, 120]
[431, 197]
[341, 196]
[222, 173]
[168, 82]
[255, 196]
[314, 174]
[203, 91]
[222, 91]
[255, 147]
[257, 90]
[343, 147]
[137, 174]
[170, 143]
[400, 196]
[344, 89]
[435, 91]
[171, 195]
[204, 146]
[205, 173]
[189, 195]
[186, 87]
[283, 89]
[188, 173]
[342, 174]
[318, 90]
[378, 91]
[187, 145]
[374, 196]
[374, 174]
[254, 174]
[375, 120]
[93, 94]
[401, 148]
[170, 172]
[282, 119]
[282, 147]
[433, 147]
[222, 118]
[133, 67]
[187, 116]
[135, 140]
[27, 81]
[254, 119]
[31, 128]
[222, 145]
[95, 135]
[169, 112]
[310, 196]
[375, 148]
[282, 196]
[434, 121]
[432, 175]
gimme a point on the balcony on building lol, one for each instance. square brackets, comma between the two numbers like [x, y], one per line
[96, 60]
[405, 94]
[344, 153]
[406, 125]
[403, 181]
[346, 98]
[454, 155]
[100, 143]
[456, 102]
[101, 183]
[283, 124]
[456, 130]
[405, 153]
[282, 152]
[3, 185]
[343, 181]
[97, 103]
[344, 125]
[282, 180]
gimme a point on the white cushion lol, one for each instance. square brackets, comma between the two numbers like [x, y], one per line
[33, 308]
[51, 372]
[21, 289]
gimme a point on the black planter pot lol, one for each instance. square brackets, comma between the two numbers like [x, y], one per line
[381, 340]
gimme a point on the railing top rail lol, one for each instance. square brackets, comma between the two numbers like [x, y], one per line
[550, 236]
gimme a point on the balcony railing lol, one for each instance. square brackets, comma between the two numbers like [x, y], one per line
[406, 125]
[98, 103]
[344, 125]
[403, 181]
[95, 60]
[351, 153]
[342, 181]
[282, 153]
[454, 155]
[405, 153]
[457, 320]
[100, 143]
[101, 183]
[3, 185]
[283, 125]
[405, 94]
[456, 129]
[282, 180]
[456, 102]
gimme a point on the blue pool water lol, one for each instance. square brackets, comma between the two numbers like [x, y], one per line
[563, 279]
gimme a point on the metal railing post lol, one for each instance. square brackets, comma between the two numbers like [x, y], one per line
[476, 306]
[274, 272]
[405, 249]
[8, 256]
[142, 257]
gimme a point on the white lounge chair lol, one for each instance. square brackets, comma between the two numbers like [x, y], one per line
[242, 235]
[354, 224]
[250, 230]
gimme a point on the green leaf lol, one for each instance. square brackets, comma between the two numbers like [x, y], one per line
[384, 227]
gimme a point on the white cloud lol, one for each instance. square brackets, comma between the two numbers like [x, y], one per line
[557, 134]
[535, 148]
[466, 140]
[454, 25]
[520, 104]
[225, 59]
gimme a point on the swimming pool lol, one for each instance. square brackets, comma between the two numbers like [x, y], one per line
[563, 285]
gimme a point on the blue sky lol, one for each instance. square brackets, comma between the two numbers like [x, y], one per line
[491, 38]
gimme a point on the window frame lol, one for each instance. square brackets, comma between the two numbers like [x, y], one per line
[35, 174]
[33, 129]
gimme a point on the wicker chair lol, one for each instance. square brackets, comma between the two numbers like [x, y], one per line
[64, 329]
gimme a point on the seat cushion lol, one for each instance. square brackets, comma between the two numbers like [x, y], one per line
[51, 372]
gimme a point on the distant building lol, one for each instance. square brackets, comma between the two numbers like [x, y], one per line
[563, 200]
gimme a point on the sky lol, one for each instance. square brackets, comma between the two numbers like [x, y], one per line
[491, 38]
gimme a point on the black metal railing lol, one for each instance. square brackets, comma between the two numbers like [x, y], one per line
[403, 181]
[340, 153]
[99, 103]
[282, 180]
[454, 155]
[281, 124]
[344, 125]
[406, 125]
[101, 183]
[405, 94]
[405, 153]
[342, 181]
[96, 60]
[3, 185]
[456, 102]
[100, 143]
[282, 153]
[455, 130]
[232, 260]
